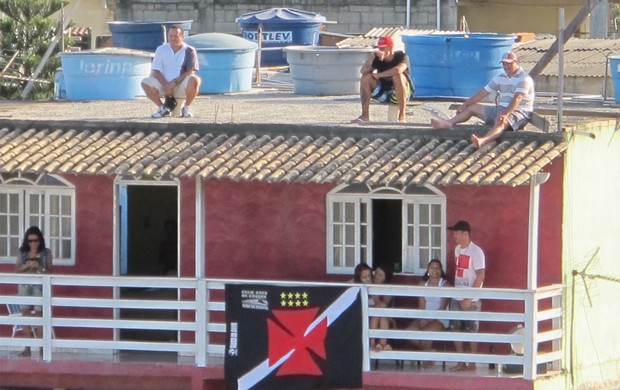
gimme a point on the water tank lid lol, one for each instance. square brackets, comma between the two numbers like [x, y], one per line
[110, 51]
[219, 41]
[166, 22]
[281, 15]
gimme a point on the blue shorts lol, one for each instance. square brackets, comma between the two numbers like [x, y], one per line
[517, 119]
[384, 92]
[30, 290]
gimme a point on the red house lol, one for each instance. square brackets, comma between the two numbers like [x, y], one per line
[307, 203]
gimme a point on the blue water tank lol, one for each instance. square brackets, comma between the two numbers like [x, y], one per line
[455, 64]
[280, 27]
[615, 76]
[105, 74]
[225, 61]
[143, 35]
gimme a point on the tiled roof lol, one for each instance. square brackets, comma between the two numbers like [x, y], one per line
[274, 153]
[582, 57]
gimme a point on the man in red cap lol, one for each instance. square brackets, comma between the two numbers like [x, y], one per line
[386, 79]
[516, 103]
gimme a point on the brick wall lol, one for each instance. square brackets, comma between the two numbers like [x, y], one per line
[352, 16]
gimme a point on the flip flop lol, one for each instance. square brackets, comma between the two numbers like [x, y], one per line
[359, 119]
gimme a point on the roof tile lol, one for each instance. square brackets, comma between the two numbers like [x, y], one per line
[310, 154]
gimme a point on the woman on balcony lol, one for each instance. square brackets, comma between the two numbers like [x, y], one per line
[33, 258]
[382, 273]
[434, 277]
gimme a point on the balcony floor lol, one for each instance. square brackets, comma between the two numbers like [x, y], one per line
[143, 370]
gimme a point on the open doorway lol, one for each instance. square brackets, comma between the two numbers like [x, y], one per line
[148, 234]
[387, 232]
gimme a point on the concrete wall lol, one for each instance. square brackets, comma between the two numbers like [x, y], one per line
[591, 234]
[525, 15]
[90, 13]
[580, 85]
[352, 16]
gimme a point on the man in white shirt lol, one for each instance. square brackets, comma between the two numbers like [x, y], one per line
[173, 75]
[516, 103]
[470, 266]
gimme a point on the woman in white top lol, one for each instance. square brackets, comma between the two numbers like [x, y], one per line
[434, 277]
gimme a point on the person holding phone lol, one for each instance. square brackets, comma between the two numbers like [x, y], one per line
[33, 258]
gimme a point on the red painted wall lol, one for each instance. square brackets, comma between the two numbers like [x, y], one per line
[94, 238]
[499, 218]
[265, 231]
[278, 231]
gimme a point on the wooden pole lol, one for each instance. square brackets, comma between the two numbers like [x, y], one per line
[568, 32]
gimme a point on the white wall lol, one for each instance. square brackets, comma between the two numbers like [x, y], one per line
[591, 223]
[90, 13]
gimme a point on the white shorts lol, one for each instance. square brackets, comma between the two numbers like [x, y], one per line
[179, 90]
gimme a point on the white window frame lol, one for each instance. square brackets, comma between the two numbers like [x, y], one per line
[25, 186]
[412, 263]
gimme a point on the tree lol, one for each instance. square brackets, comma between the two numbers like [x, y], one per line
[615, 17]
[28, 26]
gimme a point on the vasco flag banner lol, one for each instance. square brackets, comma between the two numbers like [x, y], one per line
[293, 337]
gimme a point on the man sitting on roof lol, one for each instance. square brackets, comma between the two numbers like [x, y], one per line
[516, 103]
[173, 75]
[385, 79]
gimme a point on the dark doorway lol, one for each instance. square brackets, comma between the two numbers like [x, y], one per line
[387, 232]
[148, 246]
[148, 230]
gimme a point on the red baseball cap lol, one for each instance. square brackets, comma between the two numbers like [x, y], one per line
[385, 41]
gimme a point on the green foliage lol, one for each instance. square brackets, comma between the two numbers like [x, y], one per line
[615, 15]
[29, 26]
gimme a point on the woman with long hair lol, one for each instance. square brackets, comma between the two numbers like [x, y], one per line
[434, 277]
[382, 273]
[33, 258]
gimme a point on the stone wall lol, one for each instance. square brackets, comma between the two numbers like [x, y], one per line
[351, 16]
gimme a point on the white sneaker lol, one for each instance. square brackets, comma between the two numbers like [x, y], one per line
[161, 112]
[186, 112]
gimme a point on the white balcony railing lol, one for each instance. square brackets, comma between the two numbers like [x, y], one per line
[198, 309]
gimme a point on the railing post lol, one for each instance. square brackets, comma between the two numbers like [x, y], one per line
[556, 302]
[202, 319]
[530, 343]
[46, 334]
[365, 323]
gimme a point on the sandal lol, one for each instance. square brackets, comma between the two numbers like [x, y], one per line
[25, 353]
[359, 119]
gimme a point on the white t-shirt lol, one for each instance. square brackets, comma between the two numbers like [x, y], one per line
[171, 64]
[468, 261]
